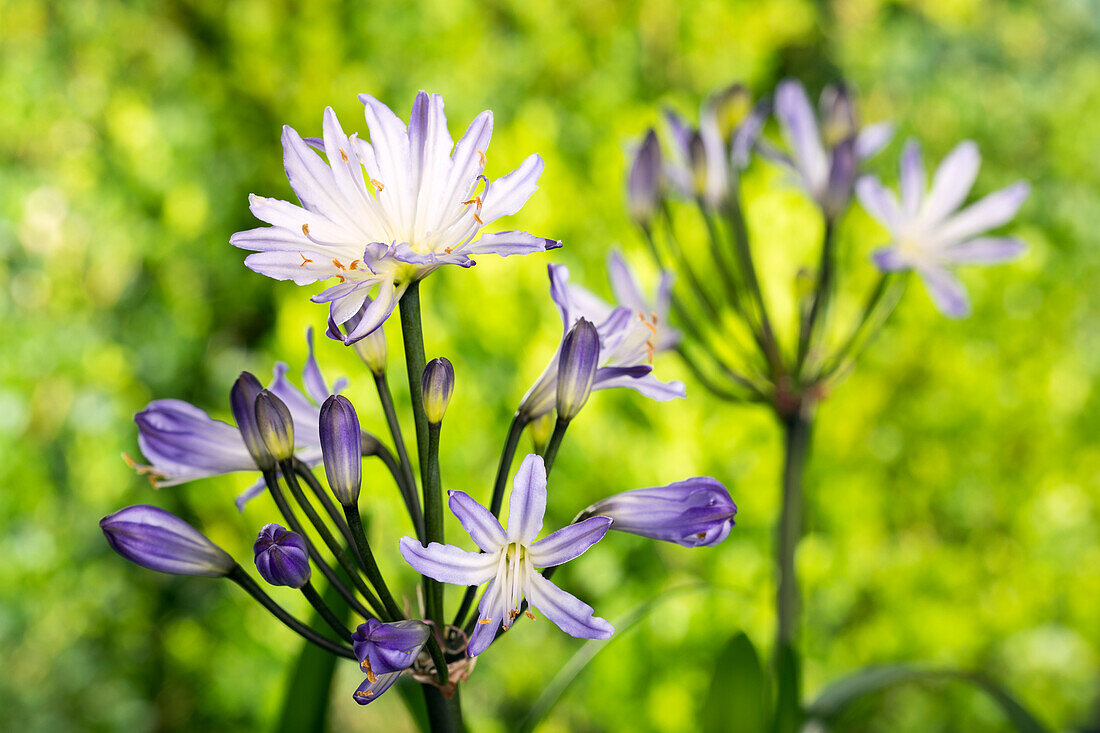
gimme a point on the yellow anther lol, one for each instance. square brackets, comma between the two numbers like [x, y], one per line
[482, 158]
[304, 260]
[336, 262]
[377, 185]
[354, 265]
[305, 229]
[341, 278]
[529, 615]
[483, 621]
[344, 156]
[478, 219]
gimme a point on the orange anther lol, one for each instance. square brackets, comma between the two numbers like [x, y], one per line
[354, 265]
[482, 158]
[478, 219]
[529, 615]
[305, 229]
[377, 185]
[483, 621]
[341, 278]
[336, 262]
[344, 156]
[304, 260]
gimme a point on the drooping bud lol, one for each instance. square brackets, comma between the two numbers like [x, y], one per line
[838, 116]
[385, 650]
[242, 400]
[342, 448]
[542, 427]
[371, 348]
[580, 356]
[281, 556]
[436, 386]
[696, 512]
[159, 540]
[644, 181]
[275, 425]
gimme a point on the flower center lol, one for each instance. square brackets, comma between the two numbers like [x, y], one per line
[512, 574]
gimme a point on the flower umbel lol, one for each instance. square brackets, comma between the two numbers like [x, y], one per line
[508, 560]
[379, 216]
[929, 233]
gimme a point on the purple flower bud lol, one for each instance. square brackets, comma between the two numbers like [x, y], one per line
[384, 651]
[342, 448]
[436, 386]
[580, 356]
[275, 425]
[696, 512]
[161, 541]
[281, 556]
[838, 115]
[242, 400]
[643, 184]
[842, 175]
[697, 151]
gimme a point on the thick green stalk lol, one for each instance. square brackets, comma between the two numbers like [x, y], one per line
[555, 442]
[244, 580]
[406, 482]
[413, 335]
[433, 522]
[444, 714]
[797, 429]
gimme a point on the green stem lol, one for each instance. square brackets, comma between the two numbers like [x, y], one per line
[406, 483]
[444, 714]
[306, 475]
[433, 522]
[292, 519]
[413, 335]
[797, 429]
[370, 566]
[244, 580]
[555, 442]
[822, 294]
[324, 611]
[334, 547]
[744, 254]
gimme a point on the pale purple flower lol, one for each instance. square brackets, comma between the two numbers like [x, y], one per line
[508, 560]
[701, 162]
[159, 540]
[929, 233]
[630, 335]
[183, 443]
[384, 651]
[696, 512]
[379, 216]
[281, 556]
[824, 158]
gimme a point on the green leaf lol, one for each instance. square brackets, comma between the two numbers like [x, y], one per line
[835, 698]
[737, 698]
[788, 698]
[309, 685]
[588, 651]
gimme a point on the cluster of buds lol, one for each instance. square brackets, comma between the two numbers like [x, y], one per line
[285, 433]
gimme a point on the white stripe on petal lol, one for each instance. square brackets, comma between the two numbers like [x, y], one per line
[447, 563]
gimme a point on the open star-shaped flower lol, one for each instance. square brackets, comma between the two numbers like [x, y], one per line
[508, 560]
[928, 230]
[383, 214]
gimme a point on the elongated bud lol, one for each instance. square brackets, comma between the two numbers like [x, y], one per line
[838, 115]
[153, 538]
[275, 425]
[281, 556]
[371, 348]
[436, 386]
[643, 184]
[697, 151]
[342, 448]
[730, 107]
[580, 355]
[842, 175]
[696, 512]
[542, 427]
[242, 400]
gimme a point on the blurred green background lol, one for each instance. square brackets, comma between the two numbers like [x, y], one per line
[953, 508]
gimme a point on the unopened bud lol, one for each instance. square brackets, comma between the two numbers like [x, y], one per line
[242, 400]
[342, 448]
[580, 356]
[275, 425]
[643, 184]
[436, 386]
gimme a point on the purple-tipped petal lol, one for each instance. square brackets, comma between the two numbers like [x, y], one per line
[183, 443]
[159, 540]
[378, 311]
[370, 690]
[912, 179]
[990, 212]
[623, 284]
[891, 259]
[568, 542]
[946, 291]
[447, 563]
[484, 529]
[527, 503]
[879, 202]
[568, 612]
[984, 251]
[952, 182]
[311, 373]
[799, 125]
[512, 242]
[491, 611]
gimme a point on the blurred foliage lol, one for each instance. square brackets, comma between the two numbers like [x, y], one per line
[953, 513]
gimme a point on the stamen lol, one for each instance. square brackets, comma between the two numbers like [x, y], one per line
[341, 278]
[344, 156]
[701, 535]
[482, 158]
[304, 260]
[336, 262]
[377, 185]
[529, 615]
[305, 229]
[364, 693]
[354, 265]
[483, 621]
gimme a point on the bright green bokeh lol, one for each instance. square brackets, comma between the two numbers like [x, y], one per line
[953, 511]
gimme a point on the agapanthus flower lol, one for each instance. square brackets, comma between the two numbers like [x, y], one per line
[696, 512]
[630, 335]
[508, 560]
[183, 443]
[701, 161]
[384, 651]
[159, 540]
[379, 216]
[824, 157]
[928, 231]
